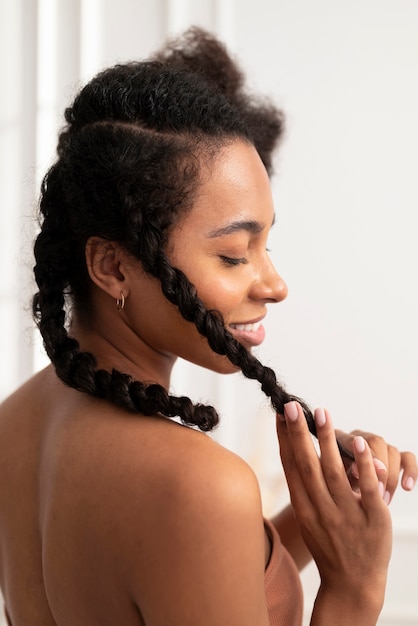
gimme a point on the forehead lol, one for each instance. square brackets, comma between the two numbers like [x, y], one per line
[234, 187]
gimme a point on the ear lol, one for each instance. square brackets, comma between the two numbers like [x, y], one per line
[106, 265]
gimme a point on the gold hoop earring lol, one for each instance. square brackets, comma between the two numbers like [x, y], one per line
[120, 302]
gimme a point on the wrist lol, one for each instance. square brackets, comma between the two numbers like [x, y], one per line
[347, 606]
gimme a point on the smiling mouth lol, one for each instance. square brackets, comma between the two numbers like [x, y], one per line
[246, 327]
[250, 335]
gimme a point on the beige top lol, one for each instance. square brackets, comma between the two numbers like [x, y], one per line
[282, 584]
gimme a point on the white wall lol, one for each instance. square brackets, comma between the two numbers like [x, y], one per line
[345, 71]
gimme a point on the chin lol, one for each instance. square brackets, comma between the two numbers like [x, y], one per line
[212, 361]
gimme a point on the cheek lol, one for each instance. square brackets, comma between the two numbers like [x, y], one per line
[220, 288]
[221, 293]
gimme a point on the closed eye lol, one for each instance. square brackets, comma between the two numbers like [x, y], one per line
[226, 260]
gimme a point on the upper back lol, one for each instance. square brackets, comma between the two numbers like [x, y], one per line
[89, 499]
[22, 423]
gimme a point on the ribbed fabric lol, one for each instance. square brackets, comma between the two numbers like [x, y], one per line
[282, 584]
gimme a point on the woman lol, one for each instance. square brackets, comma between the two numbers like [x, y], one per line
[155, 218]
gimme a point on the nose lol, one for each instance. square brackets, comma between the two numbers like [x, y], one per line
[269, 286]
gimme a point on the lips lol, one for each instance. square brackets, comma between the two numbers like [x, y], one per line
[250, 334]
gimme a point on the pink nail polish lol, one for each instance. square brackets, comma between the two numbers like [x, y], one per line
[381, 489]
[359, 444]
[409, 483]
[320, 417]
[354, 470]
[387, 497]
[291, 411]
[379, 465]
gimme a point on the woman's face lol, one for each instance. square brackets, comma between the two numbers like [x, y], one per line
[221, 247]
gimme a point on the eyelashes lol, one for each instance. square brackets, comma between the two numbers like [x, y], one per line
[232, 261]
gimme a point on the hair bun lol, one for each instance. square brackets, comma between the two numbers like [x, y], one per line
[199, 51]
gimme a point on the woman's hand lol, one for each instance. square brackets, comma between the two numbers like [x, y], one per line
[349, 534]
[389, 463]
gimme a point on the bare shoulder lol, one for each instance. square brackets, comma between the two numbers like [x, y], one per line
[181, 474]
[192, 471]
[159, 509]
[33, 397]
[201, 530]
[28, 388]
[22, 416]
[175, 517]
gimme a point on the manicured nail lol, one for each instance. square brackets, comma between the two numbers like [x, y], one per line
[359, 444]
[381, 489]
[320, 417]
[291, 411]
[409, 483]
[379, 465]
[354, 470]
[387, 497]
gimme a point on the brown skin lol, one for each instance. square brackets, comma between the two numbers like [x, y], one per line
[115, 510]
[112, 518]
[348, 533]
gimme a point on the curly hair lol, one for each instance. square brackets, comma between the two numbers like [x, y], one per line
[127, 167]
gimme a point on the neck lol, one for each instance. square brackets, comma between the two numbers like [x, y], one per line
[115, 345]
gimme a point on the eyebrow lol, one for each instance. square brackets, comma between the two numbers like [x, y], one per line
[250, 226]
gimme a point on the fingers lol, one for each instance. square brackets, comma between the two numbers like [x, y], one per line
[389, 457]
[394, 469]
[398, 462]
[410, 470]
[389, 463]
[301, 463]
[371, 489]
[371, 473]
[299, 496]
[331, 462]
[324, 479]
[389, 483]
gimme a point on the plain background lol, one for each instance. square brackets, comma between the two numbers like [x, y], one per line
[345, 72]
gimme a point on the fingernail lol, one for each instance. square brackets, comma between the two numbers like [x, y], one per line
[409, 483]
[320, 417]
[379, 465]
[291, 411]
[354, 470]
[359, 444]
[387, 497]
[381, 489]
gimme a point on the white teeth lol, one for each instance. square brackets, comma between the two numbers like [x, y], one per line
[247, 327]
